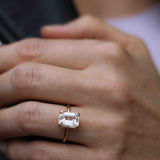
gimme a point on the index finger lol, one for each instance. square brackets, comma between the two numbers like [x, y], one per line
[61, 53]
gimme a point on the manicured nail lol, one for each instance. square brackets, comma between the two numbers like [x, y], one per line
[3, 147]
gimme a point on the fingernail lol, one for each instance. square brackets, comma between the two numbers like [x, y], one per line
[3, 147]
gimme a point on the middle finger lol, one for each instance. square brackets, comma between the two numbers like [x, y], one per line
[34, 81]
[41, 119]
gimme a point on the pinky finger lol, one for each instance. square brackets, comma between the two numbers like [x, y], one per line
[44, 150]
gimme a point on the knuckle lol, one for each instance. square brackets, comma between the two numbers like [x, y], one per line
[115, 90]
[136, 40]
[26, 75]
[89, 18]
[118, 87]
[118, 120]
[110, 51]
[30, 48]
[88, 25]
[134, 43]
[115, 50]
[120, 91]
[28, 117]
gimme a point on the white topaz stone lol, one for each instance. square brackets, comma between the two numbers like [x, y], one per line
[69, 119]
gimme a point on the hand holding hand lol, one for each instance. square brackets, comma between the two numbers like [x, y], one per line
[105, 80]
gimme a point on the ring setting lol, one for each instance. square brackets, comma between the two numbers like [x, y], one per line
[68, 119]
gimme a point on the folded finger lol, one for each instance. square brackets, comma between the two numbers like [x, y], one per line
[40, 150]
[33, 81]
[62, 53]
[85, 27]
[40, 119]
[94, 28]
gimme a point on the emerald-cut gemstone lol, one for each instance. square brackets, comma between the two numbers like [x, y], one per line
[68, 119]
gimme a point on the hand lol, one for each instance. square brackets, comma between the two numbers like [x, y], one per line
[89, 27]
[117, 98]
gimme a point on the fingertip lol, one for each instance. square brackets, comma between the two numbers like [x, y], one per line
[43, 32]
[52, 27]
[50, 31]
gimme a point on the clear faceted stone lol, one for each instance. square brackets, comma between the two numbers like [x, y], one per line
[69, 119]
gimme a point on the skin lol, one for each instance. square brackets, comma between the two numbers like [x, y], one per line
[112, 9]
[117, 97]
[107, 75]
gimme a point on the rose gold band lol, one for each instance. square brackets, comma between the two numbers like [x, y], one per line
[65, 135]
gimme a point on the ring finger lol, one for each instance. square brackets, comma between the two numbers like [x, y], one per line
[41, 119]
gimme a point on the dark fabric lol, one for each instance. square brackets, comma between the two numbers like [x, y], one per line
[23, 18]
[2, 157]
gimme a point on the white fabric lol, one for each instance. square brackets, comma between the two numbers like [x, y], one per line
[146, 25]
